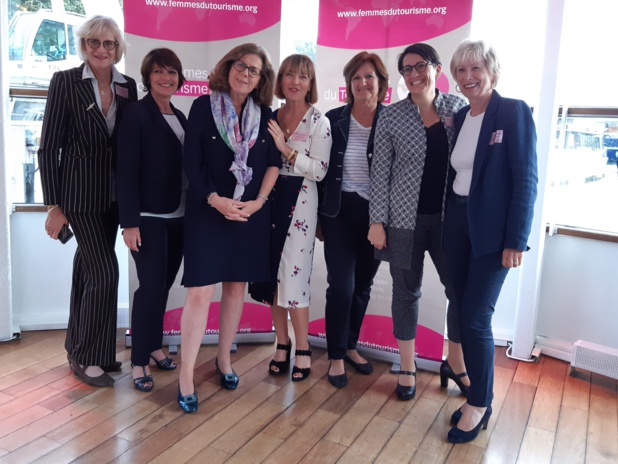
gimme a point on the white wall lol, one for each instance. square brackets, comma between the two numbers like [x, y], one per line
[579, 291]
[42, 275]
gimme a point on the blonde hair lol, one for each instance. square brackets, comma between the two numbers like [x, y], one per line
[476, 51]
[95, 27]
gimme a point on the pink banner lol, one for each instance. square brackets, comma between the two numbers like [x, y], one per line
[386, 27]
[375, 24]
[200, 33]
[195, 21]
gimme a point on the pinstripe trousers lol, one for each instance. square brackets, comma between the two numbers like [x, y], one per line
[91, 334]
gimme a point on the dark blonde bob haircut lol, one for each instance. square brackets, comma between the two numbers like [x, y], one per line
[300, 64]
[355, 64]
[94, 28]
[262, 94]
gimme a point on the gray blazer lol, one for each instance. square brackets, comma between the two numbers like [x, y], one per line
[397, 171]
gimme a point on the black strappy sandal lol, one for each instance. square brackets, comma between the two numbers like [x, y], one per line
[282, 366]
[303, 371]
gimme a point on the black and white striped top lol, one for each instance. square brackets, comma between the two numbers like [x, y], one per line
[355, 166]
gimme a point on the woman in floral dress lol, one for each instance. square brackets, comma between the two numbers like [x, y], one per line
[302, 135]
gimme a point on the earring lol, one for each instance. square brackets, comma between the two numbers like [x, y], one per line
[457, 88]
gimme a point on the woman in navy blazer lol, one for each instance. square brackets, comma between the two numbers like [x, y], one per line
[77, 156]
[151, 202]
[488, 218]
[344, 213]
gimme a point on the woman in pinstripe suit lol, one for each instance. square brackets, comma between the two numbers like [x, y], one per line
[77, 157]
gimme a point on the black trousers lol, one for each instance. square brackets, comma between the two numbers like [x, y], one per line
[91, 333]
[157, 264]
[351, 268]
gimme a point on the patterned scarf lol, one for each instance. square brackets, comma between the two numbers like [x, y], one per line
[239, 137]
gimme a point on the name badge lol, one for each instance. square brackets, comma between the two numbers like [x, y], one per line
[299, 137]
[122, 91]
[496, 137]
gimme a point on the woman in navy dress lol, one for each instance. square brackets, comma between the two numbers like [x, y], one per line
[232, 165]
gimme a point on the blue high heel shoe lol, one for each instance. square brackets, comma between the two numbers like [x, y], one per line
[228, 381]
[456, 416]
[187, 403]
[456, 435]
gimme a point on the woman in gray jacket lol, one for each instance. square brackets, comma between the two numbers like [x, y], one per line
[413, 142]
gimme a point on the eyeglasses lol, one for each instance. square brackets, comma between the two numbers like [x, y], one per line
[420, 67]
[240, 66]
[107, 44]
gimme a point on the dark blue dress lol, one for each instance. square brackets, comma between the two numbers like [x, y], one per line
[218, 250]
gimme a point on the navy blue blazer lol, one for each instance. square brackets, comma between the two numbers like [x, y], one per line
[149, 165]
[329, 190]
[504, 177]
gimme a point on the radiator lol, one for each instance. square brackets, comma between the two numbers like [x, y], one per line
[595, 358]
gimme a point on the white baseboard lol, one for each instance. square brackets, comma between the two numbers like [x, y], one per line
[555, 348]
[59, 320]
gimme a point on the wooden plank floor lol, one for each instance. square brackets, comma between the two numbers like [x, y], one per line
[541, 414]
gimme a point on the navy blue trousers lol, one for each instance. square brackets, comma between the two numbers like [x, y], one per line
[157, 264]
[477, 281]
[351, 268]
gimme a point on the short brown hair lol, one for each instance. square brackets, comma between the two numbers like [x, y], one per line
[354, 65]
[303, 65]
[263, 92]
[165, 58]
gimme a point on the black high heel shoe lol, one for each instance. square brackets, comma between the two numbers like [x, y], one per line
[404, 392]
[145, 383]
[228, 381]
[187, 403]
[165, 364]
[446, 372]
[282, 366]
[303, 371]
[456, 435]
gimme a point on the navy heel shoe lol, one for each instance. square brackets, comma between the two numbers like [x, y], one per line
[228, 381]
[446, 372]
[187, 403]
[404, 392]
[456, 416]
[456, 435]
[165, 364]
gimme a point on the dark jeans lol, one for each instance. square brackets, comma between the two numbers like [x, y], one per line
[157, 264]
[477, 282]
[351, 269]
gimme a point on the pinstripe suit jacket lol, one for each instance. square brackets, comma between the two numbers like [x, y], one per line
[77, 155]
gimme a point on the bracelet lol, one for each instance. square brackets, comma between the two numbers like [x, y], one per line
[209, 198]
[263, 197]
[51, 208]
[292, 154]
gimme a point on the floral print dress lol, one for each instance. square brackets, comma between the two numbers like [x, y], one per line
[312, 140]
